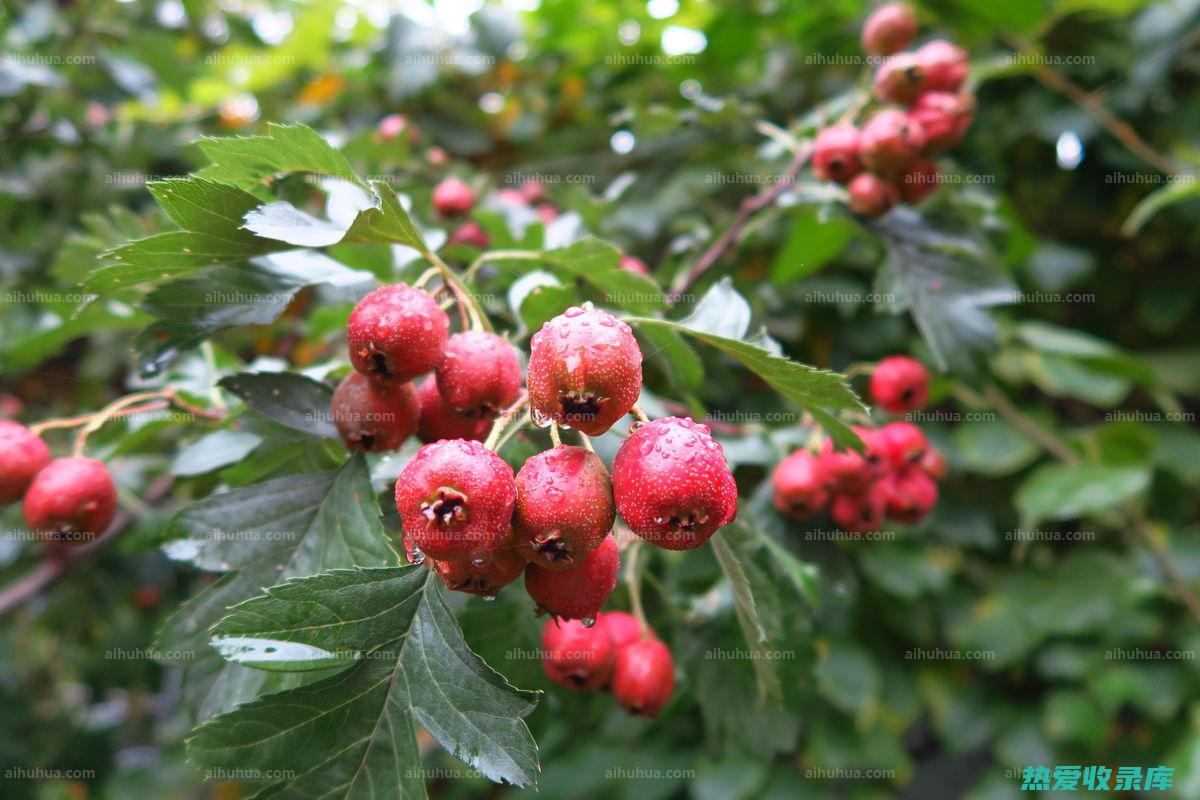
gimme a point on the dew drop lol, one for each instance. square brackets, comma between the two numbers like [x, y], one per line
[587, 622]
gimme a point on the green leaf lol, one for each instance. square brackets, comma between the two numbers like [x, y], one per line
[812, 243]
[354, 734]
[288, 398]
[747, 613]
[212, 451]
[388, 223]
[1068, 491]
[847, 677]
[1155, 202]
[594, 261]
[246, 161]
[681, 362]
[994, 447]
[722, 311]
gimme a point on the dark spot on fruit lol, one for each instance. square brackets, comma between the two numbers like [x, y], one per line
[553, 548]
[448, 508]
[380, 366]
[366, 441]
[580, 407]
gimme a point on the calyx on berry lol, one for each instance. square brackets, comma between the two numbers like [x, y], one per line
[576, 656]
[900, 79]
[439, 421]
[905, 444]
[889, 29]
[22, 456]
[890, 141]
[71, 501]
[900, 384]
[800, 485]
[835, 153]
[672, 484]
[452, 197]
[480, 375]
[578, 593]
[564, 506]
[396, 333]
[373, 416]
[643, 677]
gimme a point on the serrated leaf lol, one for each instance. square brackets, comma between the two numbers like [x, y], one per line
[387, 223]
[722, 311]
[245, 161]
[682, 363]
[747, 614]
[594, 261]
[290, 399]
[170, 255]
[812, 243]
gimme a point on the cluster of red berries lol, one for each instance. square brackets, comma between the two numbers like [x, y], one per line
[615, 654]
[67, 501]
[895, 476]
[888, 160]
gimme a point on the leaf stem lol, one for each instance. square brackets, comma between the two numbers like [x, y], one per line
[633, 578]
[555, 436]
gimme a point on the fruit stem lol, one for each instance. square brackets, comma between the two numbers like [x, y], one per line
[555, 437]
[497, 255]
[210, 364]
[633, 577]
[502, 422]
[478, 320]
[637, 412]
[425, 277]
[586, 442]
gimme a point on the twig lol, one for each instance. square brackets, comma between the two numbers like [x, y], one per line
[1162, 557]
[1051, 443]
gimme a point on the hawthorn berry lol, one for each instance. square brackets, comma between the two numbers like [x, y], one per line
[643, 677]
[943, 117]
[564, 506]
[933, 463]
[905, 443]
[890, 141]
[672, 484]
[633, 264]
[871, 195]
[623, 628]
[372, 416]
[835, 153]
[585, 370]
[943, 64]
[547, 213]
[800, 486]
[876, 453]
[846, 471]
[22, 455]
[510, 195]
[71, 500]
[900, 79]
[455, 499]
[481, 374]
[889, 29]
[900, 384]
[439, 421]
[453, 198]
[909, 494]
[919, 181]
[471, 234]
[576, 656]
[859, 512]
[578, 593]
[485, 572]
[396, 333]
[534, 192]
[393, 125]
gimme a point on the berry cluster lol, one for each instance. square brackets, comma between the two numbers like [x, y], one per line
[887, 161]
[67, 501]
[616, 655]
[895, 476]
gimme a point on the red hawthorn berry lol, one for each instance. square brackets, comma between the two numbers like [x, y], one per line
[547, 213]
[944, 64]
[455, 499]
[147, 598]
[672, 484]
[900, 79]
[437, 157]
[439, 421]
[900, 384]
[71, 501]
[919, 181]
[876, 454]
[800, 485]
[623, 628]
[576, 656]
[564, 506]
[906, 444]
[396, 333]
[890, 142]
[585, 370]
[481, 374]
[909, 494]
[846, 471]
[22, 455]
[513, 196]
[578, 593]
[933, 463]
[633, 264]
[471, 234]
[393, 125]
[643, 677]
[871, 195]
[944, 118]
[861, 512]
[889, 29]
[835, 153]
[453, 198]
[534, 192]
[372, 416]
[484, 573]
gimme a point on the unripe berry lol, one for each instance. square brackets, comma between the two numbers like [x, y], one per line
[919, 181]
[900, 79]
[859, 513]
[564, 506]
[633, 264]
[799, 485]
[900, 384]
[22, 455]
[909, 493]
[396, 333]
[579, 593]
[872, 196]
[943, 117]
[906, 444]
[944, 65]
[471, 234]
[889, 29]
[623, 628]
[585, 370]
[71, 501]
[835, 153]
[890, 142]
[643, 677]
[453, 198]
[440, 421]
[672, 484]
[373, 416]
[576, 656]
[485, 573]
[481, 374]
[846, 471]
[455, 499]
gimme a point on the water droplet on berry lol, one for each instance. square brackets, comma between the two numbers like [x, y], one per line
[587, 622]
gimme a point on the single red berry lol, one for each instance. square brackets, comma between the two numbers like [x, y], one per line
[672, 484]
[944, 117]
[481, 374]
[835, 153]
[800, 485]
[919, 181]
[453, 198]
[564, 506]
[510, 195]
[71, 501]
[147, 598]
[471, 234]
[872, 196]
[877, 453]
[860, 512]
[889, 29]
[585, 370]
[22, 455]
[909, 493]
[633, 264]
[900, 384]
[933, 463]
[900, 79]
[623, 628]
[643, 677]
[576, 656]
[397, 333]
[484, 573]
[439, 421]
[547, 213]
[373, 416]
[393, 125]
[437, 157]
[846, 471]
[533, 191]
[578, 593]
[890, 142]
[906, 444]
[944, 65]
[455, 499]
